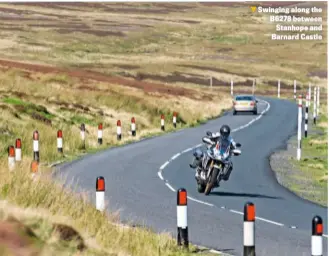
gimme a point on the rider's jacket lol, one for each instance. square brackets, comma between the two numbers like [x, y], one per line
[217, 137]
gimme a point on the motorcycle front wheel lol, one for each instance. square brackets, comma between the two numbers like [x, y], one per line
[201, 188]
[212, 180]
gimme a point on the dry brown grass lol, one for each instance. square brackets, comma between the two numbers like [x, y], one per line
[47, 204]
[314, 165]
[233, 39]
[102, 102]
[225, 42]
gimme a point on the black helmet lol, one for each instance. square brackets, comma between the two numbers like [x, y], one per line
[225, 131]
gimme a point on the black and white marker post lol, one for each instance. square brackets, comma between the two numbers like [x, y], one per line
[100, 134]
[162, 122]
[299, 132]
[306, 114]
[249, 248]
[133, 126]
[231, 87]
[294, 89]
[119, 131]
[11, 158]
[60, 141]
[83, 135]
[18, 150]
[279, 88]
[100, 193]
[317, 232]
[182, 229]
[36, 155]
[314, 105]
[318, 103]
[253, 86]
[174, 119]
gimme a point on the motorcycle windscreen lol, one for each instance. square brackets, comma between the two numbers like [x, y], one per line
[223, 146]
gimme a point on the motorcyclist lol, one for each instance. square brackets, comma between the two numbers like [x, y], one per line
[224, 134]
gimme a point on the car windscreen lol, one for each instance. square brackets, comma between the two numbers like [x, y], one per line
[247, 98]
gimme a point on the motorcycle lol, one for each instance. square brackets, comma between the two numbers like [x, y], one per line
[210, 165]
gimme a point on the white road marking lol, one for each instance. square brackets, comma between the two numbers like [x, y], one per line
[175, 156]
[198, 201]
[160, 175]
[189, 149]
[258, 218]
[212, 250]
[234, 211]
[270, 221]
[164, 165]
[186, 150]
[255, 119]
[170, 187]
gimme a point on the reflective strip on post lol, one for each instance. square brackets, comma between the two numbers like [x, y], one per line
[182, 228]
[317, 239]
[100, 193]
[249, 229]
[18, 150]
[18, 143]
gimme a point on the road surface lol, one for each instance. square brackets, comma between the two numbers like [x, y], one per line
[145, 195]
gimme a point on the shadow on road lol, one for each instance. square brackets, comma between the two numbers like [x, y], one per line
[246, 114]
[218, 193]
[206, 250]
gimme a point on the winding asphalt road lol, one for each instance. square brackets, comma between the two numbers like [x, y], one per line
[145, 195]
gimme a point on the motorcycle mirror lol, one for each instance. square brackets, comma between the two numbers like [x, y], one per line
[236, 152]
[207, 140]
[238, 144]
[209, 133]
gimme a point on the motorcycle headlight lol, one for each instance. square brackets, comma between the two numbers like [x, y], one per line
[218, 156]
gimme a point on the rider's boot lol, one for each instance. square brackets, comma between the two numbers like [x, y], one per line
[228, 171]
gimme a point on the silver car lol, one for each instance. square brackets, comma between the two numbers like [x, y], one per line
[245, 103]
